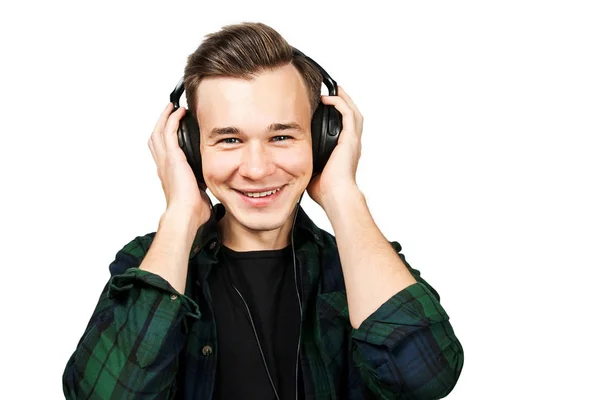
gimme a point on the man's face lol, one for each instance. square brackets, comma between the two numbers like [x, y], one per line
[255, 137]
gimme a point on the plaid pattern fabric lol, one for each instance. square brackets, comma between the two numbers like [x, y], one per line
[146, 341]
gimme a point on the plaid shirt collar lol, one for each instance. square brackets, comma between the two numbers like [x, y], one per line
[207, 238]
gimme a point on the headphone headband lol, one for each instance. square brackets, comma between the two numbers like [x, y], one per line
[327, 80]
[176, 93]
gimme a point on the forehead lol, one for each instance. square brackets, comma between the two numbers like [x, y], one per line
[270, 96]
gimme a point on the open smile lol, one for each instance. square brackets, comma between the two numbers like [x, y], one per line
[261, 198]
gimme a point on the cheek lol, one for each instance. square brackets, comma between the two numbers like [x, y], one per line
[296, 162]
[216, 168]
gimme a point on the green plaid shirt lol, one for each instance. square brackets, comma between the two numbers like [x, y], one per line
[146, 341]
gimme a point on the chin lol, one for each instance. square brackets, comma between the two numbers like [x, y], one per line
[262, 224]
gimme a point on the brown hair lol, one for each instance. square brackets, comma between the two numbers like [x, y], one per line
[243, 51]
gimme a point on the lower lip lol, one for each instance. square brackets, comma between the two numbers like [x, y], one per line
[261, 201]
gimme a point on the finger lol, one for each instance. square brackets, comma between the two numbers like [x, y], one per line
[344, 109]
[158, 146]
[156, 137]
[358, 117]
[151, 147]
[162, 120]
[159, 136]
[344, 95]
[170, 132]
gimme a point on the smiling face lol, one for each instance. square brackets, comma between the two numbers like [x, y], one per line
[255, 138]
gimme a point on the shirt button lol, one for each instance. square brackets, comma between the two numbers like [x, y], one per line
[173, 297]
[196, 249]
[212, 245]
[207, 350]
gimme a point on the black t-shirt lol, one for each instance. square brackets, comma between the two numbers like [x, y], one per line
[265, 279]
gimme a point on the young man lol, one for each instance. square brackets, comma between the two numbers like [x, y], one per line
[249, 299]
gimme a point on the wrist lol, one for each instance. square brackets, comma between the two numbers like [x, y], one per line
[180, 220]
[341, 197]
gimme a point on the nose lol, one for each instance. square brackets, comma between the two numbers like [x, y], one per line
[256, 162]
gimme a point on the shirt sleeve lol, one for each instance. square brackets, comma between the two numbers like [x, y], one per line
[407, 348]
[131, 345]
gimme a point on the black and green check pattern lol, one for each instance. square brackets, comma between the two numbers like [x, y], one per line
[146, 341]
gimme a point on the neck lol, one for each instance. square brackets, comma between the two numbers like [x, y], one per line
[240, 238]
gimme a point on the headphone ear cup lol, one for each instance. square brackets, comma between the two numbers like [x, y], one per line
[326, 128]
[317, 134]
[333, 125]
[188, 136]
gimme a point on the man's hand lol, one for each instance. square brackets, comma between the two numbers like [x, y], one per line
[339, 175]
[183, 196]
[373, 271]
[188, 207]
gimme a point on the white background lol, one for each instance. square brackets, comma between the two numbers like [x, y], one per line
[480, 156]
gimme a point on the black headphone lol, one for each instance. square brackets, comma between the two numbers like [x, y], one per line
[326, 126]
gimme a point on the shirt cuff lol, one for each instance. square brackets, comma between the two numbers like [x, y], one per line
[134, 276]
[409, 310]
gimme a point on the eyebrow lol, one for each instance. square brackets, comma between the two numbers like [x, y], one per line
[232, 130]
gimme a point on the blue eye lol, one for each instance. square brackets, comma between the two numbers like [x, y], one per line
[227, 140]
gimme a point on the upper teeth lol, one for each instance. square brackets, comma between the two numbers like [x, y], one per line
[261, 194]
